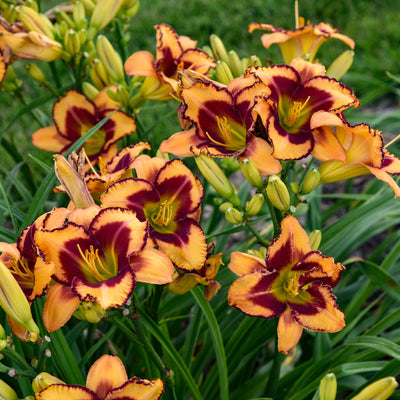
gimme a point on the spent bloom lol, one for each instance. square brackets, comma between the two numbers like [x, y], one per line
[293, 283]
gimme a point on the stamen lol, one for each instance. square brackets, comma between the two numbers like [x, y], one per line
[291, 286]
[295, 112]
[164, 215]
[20, 268]
[91, 165]
[392, 141]
[231, 138]
[94, 263]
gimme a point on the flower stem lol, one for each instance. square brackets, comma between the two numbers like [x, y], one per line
[259, 238]
[274, 217]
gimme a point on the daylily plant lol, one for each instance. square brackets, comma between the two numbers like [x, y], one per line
[293, 283]
[224, 121]
[106, 380]
[74, 114]
[171, 205]
[302, 102]
[301, 42]
[100, 263]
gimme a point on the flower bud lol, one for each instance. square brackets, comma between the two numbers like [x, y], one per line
[378, 390]
[123, 95]
[43, 380]
[183, 283]
[89, 5]
[90, 311]
[235, 64]
[73, 183]
[254, 206]
[328, 387]
[103, 14]
[3, 338]
[315, 239]
[62, 16]
[277, 193]
[251, 173]
[78, 13]
[7, 392]
[36, 73]
[110, 58]
[33, 21]
[15, 304]
[311, 181]
[72, 42]
[341, 65]
[32, 4]
[219, 49]
[225, 206]
[254, 61]
[223, 73]
[294, 187]
[98, 74]
[89, 90]
[233, 216]
[216, 178]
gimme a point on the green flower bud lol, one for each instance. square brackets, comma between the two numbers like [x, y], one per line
[294, 187]
[222, 72]
[315, 239]
[233, 216]
[78, 13]
[328, 387]
[277, 193]
[254, 206]
[311, 181]
[341, 65]
[110, 58]
[7, 392]
[219, 49]
[378, 390]
[251, 173]
[89, 90]
[103, 14]
[33, 21]
[36, 73]
[235, 64]
[43, 380]
[225, 206]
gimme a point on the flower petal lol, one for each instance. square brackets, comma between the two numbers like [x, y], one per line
[138, 389]
[49, 139]
[147, 167]
[152, 266]
[244, 264]
[289, 332]
[289, 247]
[326, 145]
[113, 292]
[105, 374]
[66, 392]
[141, 63]
[59, 297]
[254, 295]
[180, 144]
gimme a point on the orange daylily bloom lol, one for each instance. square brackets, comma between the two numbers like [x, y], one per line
[304, 40]
[99, 263]
[174, 53]
[293, 282]
[225, 123]
[302, 103]
[171, 206]
[106, 380]
[74, 114]
[364, 155]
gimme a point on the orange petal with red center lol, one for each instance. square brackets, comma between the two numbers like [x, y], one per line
[180, 144]
[72, 112]
[244, 264]
[186, 247]
[307, 69]
[319, 312]
[254, 294]
[59, 297]
[147, 167]
[138, 389]
[3, 68]
[391, 163]
[141, 63]
[197, 60]
[169, 49]
[105, 374]
[49, 139]
[103, 102]
[118, 126]
[42, 275]
[113, 292]
[289, 247]
[260, 152]
[322, 118]
[326, 145]
[66, 392]
[152, 266]
[289, 332]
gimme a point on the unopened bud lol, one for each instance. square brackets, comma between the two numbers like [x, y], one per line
[32, 4]
[379, 390]
[328, 387]
[110, 58]
[251, 173]
[103, 14]
[216, 178]
[254, 61]
[7, 392]
[315, 239]
[225, 206]
[43, 380]
[183, 283]
[36, 73]
[341, 65]
[78, 13]
[123, 95]
[219, 49]
[278, 193]
[294, 187]
[254, 206]
[33, 21]
[3, 338]
[89, 5]
[233, 216]
[89, 90]
[235, 64]
[72, 42]
[90, 311]
[311, 181]
[223, 73]
[61, 15]
[98, 74]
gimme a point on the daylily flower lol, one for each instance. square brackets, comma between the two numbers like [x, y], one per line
[364, 155]
[293, 282]
[3, 67]
[74, 114]
[171, 205]
[301, 105]
[174, 53]
[224, 119]
[303, 41]
[106, 380]
[100, 263]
